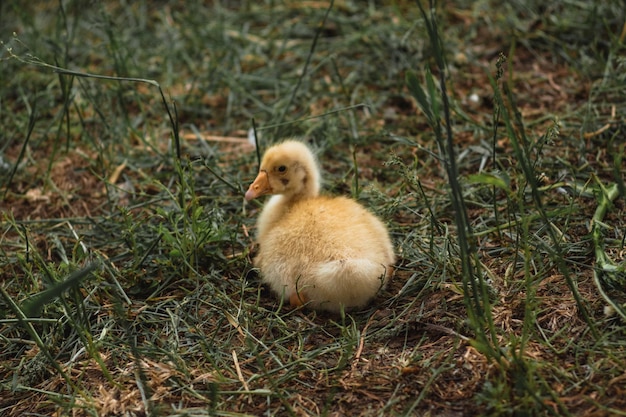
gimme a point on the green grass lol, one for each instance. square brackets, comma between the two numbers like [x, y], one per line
[489, 136]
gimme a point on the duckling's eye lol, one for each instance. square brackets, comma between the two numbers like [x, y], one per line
[282, 168]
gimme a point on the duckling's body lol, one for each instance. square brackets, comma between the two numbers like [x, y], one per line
[326, 252]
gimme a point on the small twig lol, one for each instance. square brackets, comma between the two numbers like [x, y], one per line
[117, 172]
[598, 132]
[239, 374]
[359, 350]
[215, 138]
[604, 128]
[447, 331]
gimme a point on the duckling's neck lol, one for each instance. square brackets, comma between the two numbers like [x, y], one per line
[310, 187]
[274, 210]
[303, 194]
[279, 204]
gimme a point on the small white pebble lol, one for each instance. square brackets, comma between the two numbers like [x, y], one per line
[251, 137]
[4, 166]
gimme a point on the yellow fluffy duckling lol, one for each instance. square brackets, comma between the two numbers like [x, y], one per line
[328, 253]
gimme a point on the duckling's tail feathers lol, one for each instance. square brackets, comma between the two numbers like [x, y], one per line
[351, 282]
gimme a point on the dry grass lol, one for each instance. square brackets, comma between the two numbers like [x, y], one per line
[125, 245]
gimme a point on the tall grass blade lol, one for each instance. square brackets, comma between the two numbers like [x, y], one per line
[516, 132]
[606, 273]
[475, 290]
[34, 305]
[23, 319]
[32, 119]
[295, 89]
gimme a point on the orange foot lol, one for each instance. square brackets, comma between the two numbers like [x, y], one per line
[297, 299]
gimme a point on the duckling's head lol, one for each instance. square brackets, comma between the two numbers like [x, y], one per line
[288, 168]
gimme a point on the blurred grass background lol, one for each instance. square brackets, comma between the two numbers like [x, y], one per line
[125, 273]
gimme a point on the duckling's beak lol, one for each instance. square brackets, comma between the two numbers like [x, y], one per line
[259, 187]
